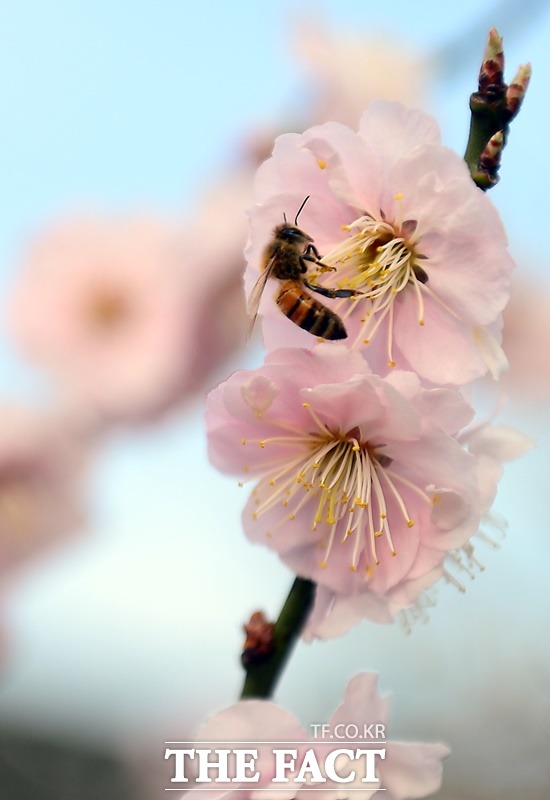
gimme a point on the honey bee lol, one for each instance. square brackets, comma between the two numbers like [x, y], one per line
[286, 258]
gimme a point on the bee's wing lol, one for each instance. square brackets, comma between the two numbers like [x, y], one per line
[256, 295]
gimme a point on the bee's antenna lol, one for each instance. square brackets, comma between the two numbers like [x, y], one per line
[284, 217]
[300, 210]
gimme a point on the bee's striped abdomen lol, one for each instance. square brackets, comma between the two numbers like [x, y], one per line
[308, 313]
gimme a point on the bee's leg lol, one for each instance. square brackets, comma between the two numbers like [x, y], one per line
[328, 292]
[312, 249]
[314, 259]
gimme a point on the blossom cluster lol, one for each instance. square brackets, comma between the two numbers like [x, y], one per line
[372, 475]
[366, 482]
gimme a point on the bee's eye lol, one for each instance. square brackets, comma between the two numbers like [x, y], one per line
[292, 234]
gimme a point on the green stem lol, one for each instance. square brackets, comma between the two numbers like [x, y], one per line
[488, 117]
[261, 678]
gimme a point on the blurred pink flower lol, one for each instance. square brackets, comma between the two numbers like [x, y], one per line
[399, 218]
[128, 314]
[41, 474]
[526, 332]
[363, 485]
[215, 237]
[408, 770]
[349, 69]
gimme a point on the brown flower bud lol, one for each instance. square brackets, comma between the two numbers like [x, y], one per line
[259, 638]
[516, 90]
[492, 65]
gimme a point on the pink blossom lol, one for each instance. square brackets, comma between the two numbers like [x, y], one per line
[400, 221]
[361, 482]
[41, 471]
[408, 769]
[124, 312]
[335, 614]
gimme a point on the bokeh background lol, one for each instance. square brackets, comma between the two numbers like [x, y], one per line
[128, 633]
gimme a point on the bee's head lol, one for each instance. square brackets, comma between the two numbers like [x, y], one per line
[291, 234]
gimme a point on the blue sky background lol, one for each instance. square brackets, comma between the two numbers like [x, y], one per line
[132, 634]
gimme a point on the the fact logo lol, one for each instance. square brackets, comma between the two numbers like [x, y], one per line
[307, 764]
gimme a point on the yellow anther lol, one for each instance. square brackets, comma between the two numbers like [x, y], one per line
[391, 363]
[355, 448]
[243, 440]
[378, 534]
[393, 552]
[398, 196]
[322, 164]
[383, 516]
[306, 405]
[262, 443]
[345, 227]
[292, 516]
[323, 564]
[410, 523]
[421, 321]
[246, 468]
[353, 568]
[366, 341]
[272, 482]
[254, 515]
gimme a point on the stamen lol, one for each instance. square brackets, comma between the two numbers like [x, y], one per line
[329, 546]
[322, 427]
[416, 285]
[375, 327]
[378, 261]
[340, 485]
[410, 485]
[391, 362]
[395, 492]
[382, 506]
[277, 440]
